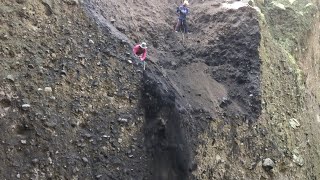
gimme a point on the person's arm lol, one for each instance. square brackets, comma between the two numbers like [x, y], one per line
[144, 55]
[178, 10]
[135, 49]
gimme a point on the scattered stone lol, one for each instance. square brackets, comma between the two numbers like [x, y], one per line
[98, 176]
[50, 160]
[106, 136]
[268, 164]
[252, 166]
[63, 73]
[23, 141]
[35, 161]
[10, 77]
[82, 62]
[130, 156]
[129, 61]
[309, 4]
[112, 20]
[54, 55]
[104, 149]
[85, 159]
[121, 28]
[163, 122]
[294, 123]
[279, 5]
[31, 66]
[48, 89]
[123, 120]
[81, 56]
[71, 2]
[298, 160]
[18, 176]
[26, 106]
[120, 140]
[81, 145]
[75, 170]
[91, 41]
[95, 83]
[4, 36]
[225, 102]
[218, 158]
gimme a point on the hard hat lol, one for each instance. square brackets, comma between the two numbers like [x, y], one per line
[143, 45]
[186, 3]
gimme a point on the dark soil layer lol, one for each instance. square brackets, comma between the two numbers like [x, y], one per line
[164, 138]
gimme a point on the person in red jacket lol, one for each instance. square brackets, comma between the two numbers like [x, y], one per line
[141, 50]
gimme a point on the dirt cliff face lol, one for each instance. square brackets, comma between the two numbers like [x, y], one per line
[69, 104]
[235, 99]
[291, 104]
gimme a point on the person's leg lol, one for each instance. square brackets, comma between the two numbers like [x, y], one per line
[178, 25]
[185, 26]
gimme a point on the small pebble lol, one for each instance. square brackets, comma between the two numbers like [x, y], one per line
[91, 41]
[26, 106]
[48, 89]
[85, 159]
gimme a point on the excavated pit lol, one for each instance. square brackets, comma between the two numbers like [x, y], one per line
[178, 107]
[74, 106]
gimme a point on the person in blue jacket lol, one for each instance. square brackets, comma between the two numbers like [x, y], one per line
[182, 11]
